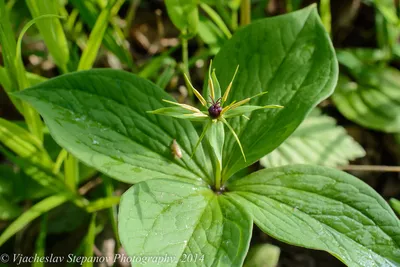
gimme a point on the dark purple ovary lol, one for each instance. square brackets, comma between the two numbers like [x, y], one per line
[214, 110]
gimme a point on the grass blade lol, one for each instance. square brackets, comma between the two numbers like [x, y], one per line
[96, 36]
[51, 30]
[31, 214]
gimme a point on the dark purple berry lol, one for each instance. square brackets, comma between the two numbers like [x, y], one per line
[214, 110]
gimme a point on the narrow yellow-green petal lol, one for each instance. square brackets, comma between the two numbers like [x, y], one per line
[226, 94]
[236, 137]
[210, 82]
[185, 106]
[196, 93]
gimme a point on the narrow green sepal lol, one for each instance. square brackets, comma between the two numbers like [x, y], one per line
[236, 137]
[180, 113]
[239, 111]
[217, 87]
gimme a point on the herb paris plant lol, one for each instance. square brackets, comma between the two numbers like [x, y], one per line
[102, 118]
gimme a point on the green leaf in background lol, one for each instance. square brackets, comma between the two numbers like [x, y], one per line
[184, 14]
[91, 50]
[325, 209]
[211, 35]
[16, 186]
[264, 255]
[23, 143]
[395, 205]
[372, 99]
[8, 210]
[318, 140]
[100, 116]
[51, 30]
[31, 214]
[162, 217]
[387, 8]
[289, 56]
[88, 13]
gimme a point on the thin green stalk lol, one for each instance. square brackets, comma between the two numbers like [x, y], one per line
[89, 241]
[112, 211]
[96, 37]
[223, 13]
[234, 19]
[16, 70]
[245, 12]
[185, 59]
[289, 6]
[59, 161]
[41, 241]
[71, 172]
[325, 10]
[130, 16]
[217, 19]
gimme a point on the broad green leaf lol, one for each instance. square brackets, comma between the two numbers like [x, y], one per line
[321, 208]
[162, 217]
[372, 100]
[31, 214]
[291, 57]
[51, 30]
[100, 116]
[184, 14]
[318, 140]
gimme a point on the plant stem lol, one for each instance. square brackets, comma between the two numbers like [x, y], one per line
[245, 12]
[185, 59]
[71, 172]
[325, 10]
[130, 16]
[289, 6]
[370, 168]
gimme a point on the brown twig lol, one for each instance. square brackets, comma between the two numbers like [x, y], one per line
[370, 168]
[89, 186]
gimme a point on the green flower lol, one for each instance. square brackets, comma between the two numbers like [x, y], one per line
[215, 111]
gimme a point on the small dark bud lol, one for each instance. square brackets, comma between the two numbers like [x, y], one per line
[214, 110]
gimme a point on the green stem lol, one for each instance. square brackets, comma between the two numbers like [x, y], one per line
[130, 16]
[245, 12]
[112, 212]
[185, 58]
[289, 6]
[234, 19]
[71, 172]
[218, 176]
[325, 10]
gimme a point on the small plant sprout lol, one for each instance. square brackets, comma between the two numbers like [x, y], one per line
[215, 111]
